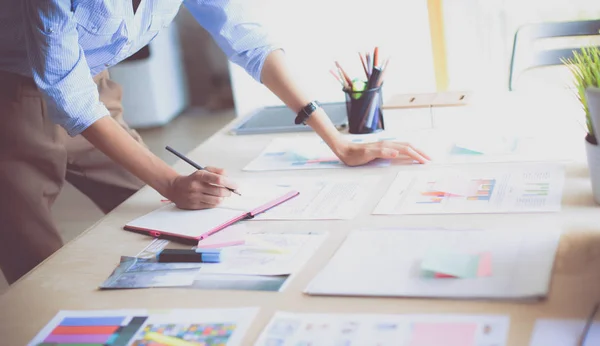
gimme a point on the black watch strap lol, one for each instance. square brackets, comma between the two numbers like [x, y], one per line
[306, 112]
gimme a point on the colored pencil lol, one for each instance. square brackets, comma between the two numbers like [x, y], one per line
[364, 63]
[337, 78]
[344, 74]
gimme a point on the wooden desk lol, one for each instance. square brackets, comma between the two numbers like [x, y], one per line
[69, 279]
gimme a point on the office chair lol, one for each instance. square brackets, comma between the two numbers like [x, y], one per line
[523, 55]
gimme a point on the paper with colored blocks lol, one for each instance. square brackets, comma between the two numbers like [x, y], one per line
[304, 329]
[181, 327]
[456, 265]
[444, 333]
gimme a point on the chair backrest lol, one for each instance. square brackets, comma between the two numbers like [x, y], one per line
[524, 57]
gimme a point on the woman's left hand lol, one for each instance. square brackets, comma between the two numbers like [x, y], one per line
[356, 154]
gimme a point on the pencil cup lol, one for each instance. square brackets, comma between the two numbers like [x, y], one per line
[364, 111]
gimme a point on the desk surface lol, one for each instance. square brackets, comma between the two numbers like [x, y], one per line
[69, 279]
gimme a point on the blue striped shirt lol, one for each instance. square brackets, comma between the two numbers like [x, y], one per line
[62, 44]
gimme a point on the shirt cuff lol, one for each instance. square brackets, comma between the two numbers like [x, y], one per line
[74, 126]
[260, 56]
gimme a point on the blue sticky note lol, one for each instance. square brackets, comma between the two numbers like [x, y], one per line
[459, 265]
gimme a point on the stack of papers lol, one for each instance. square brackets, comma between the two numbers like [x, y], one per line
[293, 329]
[261, 261]
[441, 263]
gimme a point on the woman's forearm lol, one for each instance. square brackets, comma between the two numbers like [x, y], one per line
[278, 78]
[110, 138]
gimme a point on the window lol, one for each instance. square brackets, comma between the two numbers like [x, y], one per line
[315, 33]
[479, 37]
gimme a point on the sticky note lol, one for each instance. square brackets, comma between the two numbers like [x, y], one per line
[447, 334]
[459, 265]
[485, 265]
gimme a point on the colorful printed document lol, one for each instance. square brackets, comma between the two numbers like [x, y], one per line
[135, 272]
[182, 327]
[563, 333]
[322, 198]
[301, 152]
[464, 190]
[267, 254]
[292, 329]
[499, 263]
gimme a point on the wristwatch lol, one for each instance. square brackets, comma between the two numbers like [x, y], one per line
[306, 112]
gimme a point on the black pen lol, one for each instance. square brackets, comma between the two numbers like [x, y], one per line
[194, 164]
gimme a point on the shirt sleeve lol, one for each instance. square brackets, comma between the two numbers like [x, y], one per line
[58, 65]
[241, 37]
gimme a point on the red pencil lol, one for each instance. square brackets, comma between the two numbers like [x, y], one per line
[364, 64]
[337, 78]
[346, 77]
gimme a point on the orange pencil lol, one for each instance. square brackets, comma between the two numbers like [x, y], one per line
[376, 57]
[346, 77]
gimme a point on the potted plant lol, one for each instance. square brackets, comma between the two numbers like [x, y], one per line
[585, 67]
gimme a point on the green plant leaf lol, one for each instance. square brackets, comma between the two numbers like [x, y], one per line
[585, 69]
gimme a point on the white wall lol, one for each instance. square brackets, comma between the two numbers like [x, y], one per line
[480, 34]
[315, 33]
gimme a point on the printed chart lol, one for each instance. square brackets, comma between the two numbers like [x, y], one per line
[290, 329]
[297, 153]
[185, 327]
[512, 189]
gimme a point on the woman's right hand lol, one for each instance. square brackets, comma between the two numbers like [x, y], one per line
[201, 189]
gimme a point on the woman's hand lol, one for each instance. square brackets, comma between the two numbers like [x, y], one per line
[356, 154]
[201, 189]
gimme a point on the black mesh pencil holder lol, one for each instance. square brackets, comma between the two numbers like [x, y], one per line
[364, 111]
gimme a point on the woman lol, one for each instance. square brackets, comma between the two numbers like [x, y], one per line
[63, 117]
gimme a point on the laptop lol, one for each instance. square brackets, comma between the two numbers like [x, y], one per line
[274, 119]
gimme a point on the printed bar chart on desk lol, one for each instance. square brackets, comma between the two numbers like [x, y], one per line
[181, 327]
[298, 153]
[518, 188]
[490, 263]
[293, 329]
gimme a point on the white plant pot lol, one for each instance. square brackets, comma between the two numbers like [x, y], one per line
[593, 157]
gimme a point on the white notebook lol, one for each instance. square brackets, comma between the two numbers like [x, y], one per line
[191, 226]
[466, 264]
